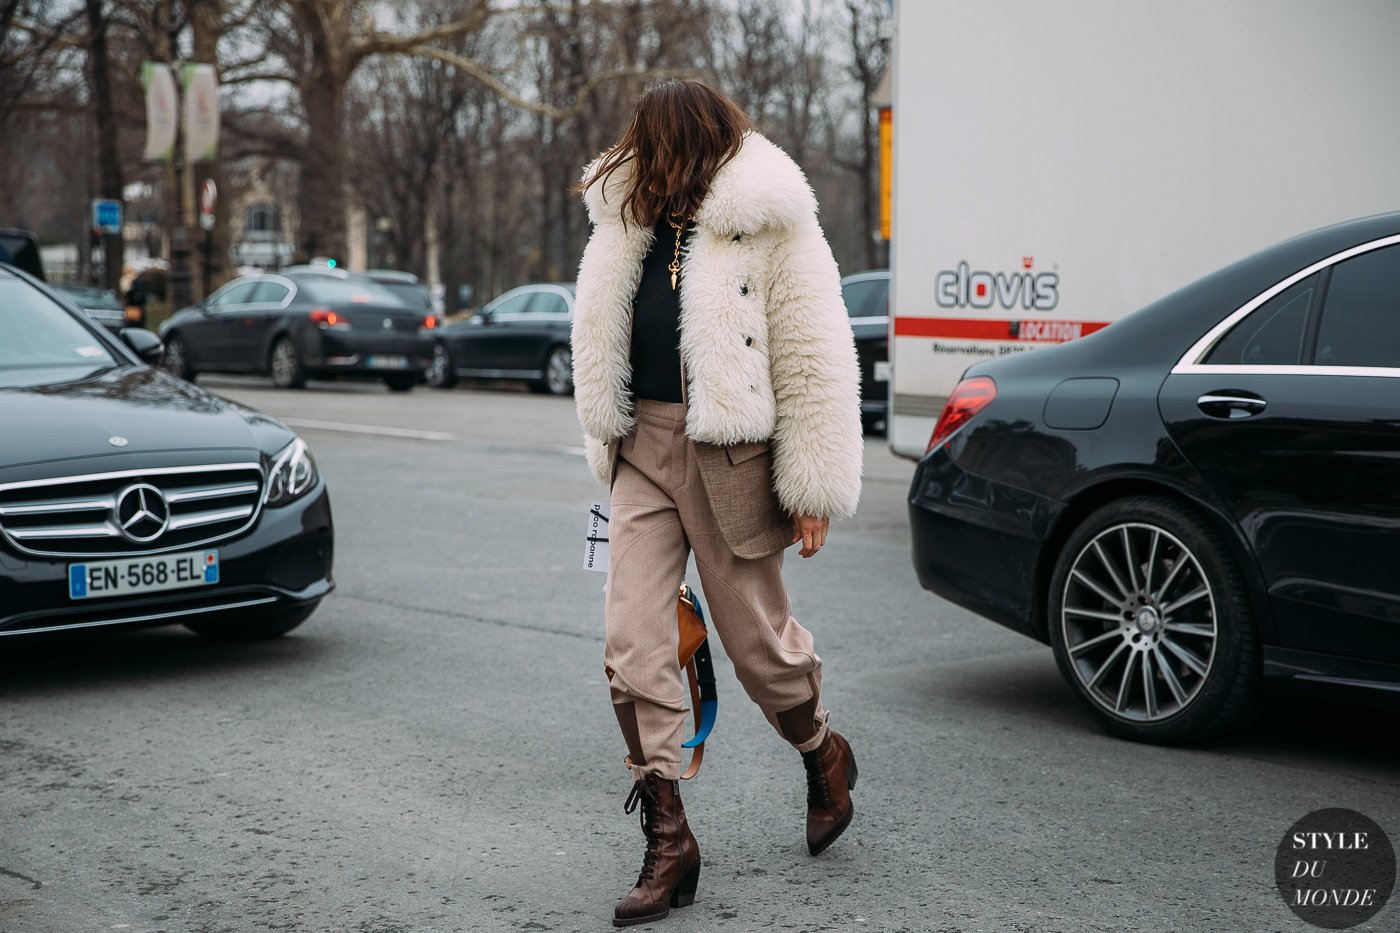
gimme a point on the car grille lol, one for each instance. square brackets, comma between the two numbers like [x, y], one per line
[133, 511]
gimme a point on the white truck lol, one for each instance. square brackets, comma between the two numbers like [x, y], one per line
[1061, 163]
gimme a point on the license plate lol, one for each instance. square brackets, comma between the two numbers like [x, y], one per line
[142, 574]
[388, 361]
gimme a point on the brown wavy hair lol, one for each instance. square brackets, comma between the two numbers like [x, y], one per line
[681, 134]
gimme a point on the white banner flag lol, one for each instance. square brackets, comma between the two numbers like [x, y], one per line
[160, 111]
[201, 88]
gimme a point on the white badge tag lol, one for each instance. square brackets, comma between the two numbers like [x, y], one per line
[595, 543]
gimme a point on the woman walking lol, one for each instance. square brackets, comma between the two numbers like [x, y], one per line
[718, 388]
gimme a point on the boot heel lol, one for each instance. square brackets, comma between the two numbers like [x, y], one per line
[684, 893]
[851, 774]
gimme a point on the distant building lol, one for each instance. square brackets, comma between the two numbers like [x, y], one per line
[263, 217]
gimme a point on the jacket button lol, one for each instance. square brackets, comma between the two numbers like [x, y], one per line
[744, 289]
[748, 341]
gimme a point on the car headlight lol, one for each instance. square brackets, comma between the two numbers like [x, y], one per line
[292, 475]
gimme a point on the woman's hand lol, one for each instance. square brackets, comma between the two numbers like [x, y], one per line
[811, 531]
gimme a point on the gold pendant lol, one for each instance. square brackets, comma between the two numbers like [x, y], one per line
[675, 268]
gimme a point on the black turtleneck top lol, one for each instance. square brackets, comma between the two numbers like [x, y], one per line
[656, 317]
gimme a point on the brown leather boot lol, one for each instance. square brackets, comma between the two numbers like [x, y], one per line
[671, 866]
[831, 775]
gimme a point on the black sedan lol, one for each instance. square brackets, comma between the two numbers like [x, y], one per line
[130, 498]
[1202, 495]
[867, 297]
[524, 334]
[97, 303]
[299, 325]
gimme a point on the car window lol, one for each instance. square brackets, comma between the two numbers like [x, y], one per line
[236, 294]
[860, 298]
[514, 305]
[270, 293]
[549, 303]
[413, 294]
[1273, 334]
[86, 296]
[40, 342]
[880, 301]
[353, 291]
[1361, 317]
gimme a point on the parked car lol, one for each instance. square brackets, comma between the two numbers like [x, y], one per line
[302, 324]
[404, 284]
[1204, 494]
[523, 334]
[97, 303]
[131, 498]
[20, 248]
[867, 296]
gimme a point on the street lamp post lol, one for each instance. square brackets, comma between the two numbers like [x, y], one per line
[179, 279]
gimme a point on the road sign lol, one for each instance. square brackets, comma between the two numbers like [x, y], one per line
[208, 198]
[107, 216]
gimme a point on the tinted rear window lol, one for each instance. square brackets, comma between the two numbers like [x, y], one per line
[1361, 320]
[1273, 334]
[410, 293]
[341, 292]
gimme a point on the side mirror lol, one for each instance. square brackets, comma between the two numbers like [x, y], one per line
[143, 343]
[484, 316]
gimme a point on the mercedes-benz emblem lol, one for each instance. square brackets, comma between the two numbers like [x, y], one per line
[142, 513]
[117, 440]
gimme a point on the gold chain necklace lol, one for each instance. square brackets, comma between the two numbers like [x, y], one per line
[675, 266]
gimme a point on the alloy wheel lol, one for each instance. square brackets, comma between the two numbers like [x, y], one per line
[438, 373]
[559, 371]
[1139, 622]
[285, 366]
[175, 362]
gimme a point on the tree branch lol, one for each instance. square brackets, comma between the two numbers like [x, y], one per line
[480, 73]
[51, 36]
[384, 43]
[259, 76]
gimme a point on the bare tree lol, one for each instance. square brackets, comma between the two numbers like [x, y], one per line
[867, 65]
[317, 46]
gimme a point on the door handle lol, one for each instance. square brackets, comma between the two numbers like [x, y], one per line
[1231, 404]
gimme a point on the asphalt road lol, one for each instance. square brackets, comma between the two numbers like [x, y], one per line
[434, 750]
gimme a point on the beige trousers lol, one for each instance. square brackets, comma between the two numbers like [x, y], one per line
[659, 515]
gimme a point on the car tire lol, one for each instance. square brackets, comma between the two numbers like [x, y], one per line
[288, 371]
[176, 359]
[401, 382]
[1151, 623]
[439, 374]
[252, 626]
[558, 372]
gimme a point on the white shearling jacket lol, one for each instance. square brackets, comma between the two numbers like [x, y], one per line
[765, 340]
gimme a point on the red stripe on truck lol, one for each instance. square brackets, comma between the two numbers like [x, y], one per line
[1035, 331]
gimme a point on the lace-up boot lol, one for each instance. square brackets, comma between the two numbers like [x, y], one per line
[831, 775]
[671, 865]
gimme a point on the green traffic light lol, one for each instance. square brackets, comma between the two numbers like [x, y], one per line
[330, 263]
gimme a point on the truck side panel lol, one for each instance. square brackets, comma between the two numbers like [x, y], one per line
[1058, 165]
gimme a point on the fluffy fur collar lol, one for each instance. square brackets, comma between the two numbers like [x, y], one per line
[760, 188]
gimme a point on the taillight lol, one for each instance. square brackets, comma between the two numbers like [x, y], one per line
[430, 322]
[970, 397]
[328, 318]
